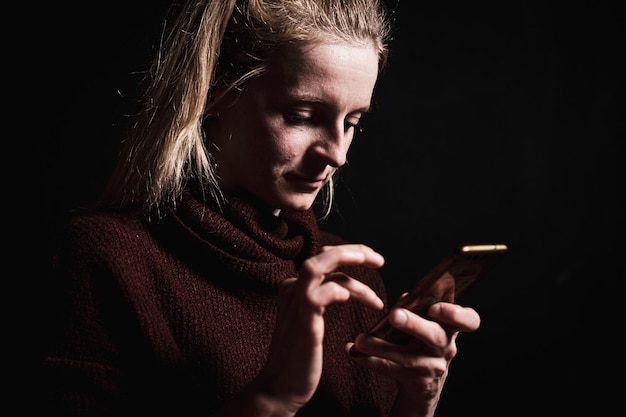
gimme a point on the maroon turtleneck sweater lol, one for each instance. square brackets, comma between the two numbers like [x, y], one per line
[176, 316]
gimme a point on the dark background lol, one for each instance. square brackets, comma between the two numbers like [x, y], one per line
[495, 122]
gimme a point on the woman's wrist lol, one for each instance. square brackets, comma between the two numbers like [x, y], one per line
[410, 403]
[254, 401]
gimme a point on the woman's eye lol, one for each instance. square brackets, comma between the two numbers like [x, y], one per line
[302, 118]
[297, 118]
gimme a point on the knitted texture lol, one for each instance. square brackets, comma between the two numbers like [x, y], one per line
[177, 316]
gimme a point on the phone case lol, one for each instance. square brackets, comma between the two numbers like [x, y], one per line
[447, 281]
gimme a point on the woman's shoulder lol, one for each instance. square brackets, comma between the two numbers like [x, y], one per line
[101, 224]
[103, 237]
[97, 231]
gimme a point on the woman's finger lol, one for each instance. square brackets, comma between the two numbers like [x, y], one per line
[340, 283]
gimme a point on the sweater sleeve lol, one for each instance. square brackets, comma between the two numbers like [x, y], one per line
[96, 349]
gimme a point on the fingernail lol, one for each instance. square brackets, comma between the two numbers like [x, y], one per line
[355, 353]
[400, 316]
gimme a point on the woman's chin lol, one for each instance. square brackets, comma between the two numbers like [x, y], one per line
[298, 202]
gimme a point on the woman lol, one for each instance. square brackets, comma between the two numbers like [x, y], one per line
[201, 283]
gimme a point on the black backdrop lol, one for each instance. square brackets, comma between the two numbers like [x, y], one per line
[495, 121]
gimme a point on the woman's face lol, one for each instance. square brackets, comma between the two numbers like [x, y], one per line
[284, 136]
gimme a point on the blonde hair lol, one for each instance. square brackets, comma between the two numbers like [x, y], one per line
[209, 49]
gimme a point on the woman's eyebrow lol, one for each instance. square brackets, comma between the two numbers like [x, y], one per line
[311, 99]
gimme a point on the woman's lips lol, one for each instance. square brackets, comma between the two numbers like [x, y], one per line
[307, 183]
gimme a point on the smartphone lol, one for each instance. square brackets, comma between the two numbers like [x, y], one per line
[447, 281]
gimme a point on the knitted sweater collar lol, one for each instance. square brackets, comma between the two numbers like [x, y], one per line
[246, 238]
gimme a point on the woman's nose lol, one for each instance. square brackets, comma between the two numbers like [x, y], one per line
[333, 148]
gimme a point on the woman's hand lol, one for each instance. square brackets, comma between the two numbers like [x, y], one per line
[421, 366]
[294, 365]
